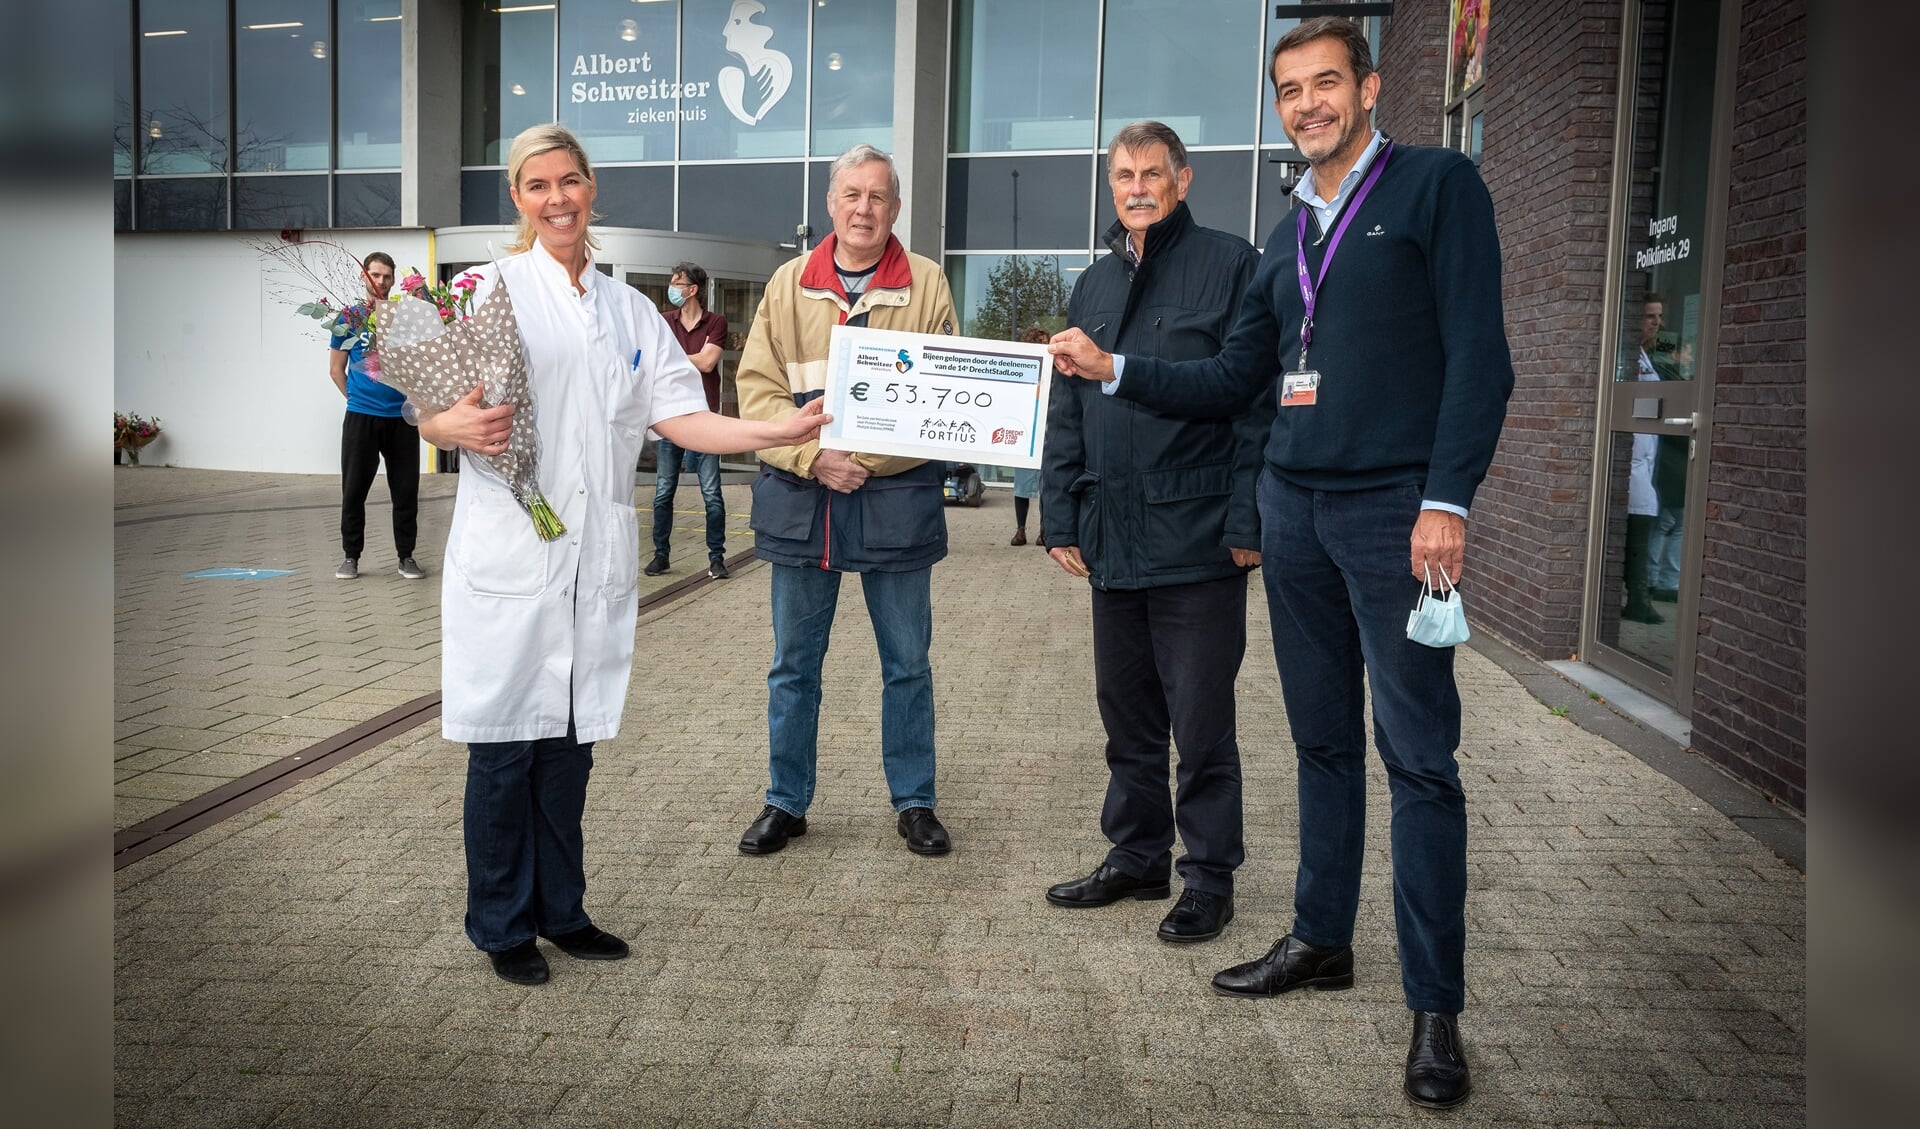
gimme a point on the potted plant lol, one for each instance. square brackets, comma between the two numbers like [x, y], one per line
[132, 432]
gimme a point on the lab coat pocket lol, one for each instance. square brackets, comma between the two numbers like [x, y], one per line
[623, 555]
[499, 554]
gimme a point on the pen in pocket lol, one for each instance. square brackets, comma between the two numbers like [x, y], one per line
[636, 360]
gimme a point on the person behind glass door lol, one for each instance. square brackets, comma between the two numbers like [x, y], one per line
[1026, 481]
[1644, 499]
[1377, 449]
[702, 333]
[537, 637]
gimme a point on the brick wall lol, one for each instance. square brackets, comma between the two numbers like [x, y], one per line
[1552, 67]
[1749, 695]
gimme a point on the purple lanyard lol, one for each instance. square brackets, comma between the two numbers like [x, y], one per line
[1309, 286]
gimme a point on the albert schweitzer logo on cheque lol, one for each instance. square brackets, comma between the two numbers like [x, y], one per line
[1006, 437]
[905, 363]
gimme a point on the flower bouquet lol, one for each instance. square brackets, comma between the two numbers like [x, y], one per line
[432, 349]
[132, 432]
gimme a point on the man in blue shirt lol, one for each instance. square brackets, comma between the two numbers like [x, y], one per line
[374, 430]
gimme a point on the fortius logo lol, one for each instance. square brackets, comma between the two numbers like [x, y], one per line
[1006, 437]
[949, 431]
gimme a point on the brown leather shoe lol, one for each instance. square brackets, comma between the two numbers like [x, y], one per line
[1019, 537]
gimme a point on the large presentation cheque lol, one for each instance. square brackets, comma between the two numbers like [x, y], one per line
[931, 396]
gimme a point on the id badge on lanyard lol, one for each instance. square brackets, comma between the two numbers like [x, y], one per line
[1300, 387]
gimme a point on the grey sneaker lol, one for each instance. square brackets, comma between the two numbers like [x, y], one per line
[410, 570]
[349, 569]
[717, 568]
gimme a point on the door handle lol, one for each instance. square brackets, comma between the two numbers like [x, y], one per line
[1692, 421]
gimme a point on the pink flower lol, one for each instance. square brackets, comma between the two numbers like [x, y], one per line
[412, 282]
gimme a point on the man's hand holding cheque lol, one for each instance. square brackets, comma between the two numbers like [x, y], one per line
[1075, 354]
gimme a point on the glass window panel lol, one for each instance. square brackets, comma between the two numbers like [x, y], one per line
[619, 67]
[1219, 194]
[368, 63]
[484, 199]
[1279, 168]
[123, 205]
[508, 84]
[817, 218]
[367, 200]
[183, 89]
[1646, 533]
[1024, 75]
[1672, 149]
[852, 77]
[635, 197]
[997, 295]
[186, 204]
[120, 27]
[273, 203]
[1045, 207]
[282, 93]
[1192, 64]
[749, 201]
[746, 63]
[1271, 131]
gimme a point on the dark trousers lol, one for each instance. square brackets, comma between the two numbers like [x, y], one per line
[364, 441]
[1338, 591]
[1164, 661]
[1638, 563]
[526, 867]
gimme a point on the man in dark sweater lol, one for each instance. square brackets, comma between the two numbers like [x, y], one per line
[1377, 309]
[1157, 513]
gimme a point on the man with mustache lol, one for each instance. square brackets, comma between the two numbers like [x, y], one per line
[1157, 513]
[1377, 309]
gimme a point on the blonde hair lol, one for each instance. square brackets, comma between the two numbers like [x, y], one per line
[532, 142]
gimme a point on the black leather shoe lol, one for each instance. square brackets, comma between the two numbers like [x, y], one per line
[1106, 886]
[1436, 1065]
[591, 943]
[1197, 916]
[522, 964]
[771, 830]
[1290, 964]
[923, 832]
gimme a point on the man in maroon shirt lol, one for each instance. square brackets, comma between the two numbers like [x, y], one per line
[702, 333]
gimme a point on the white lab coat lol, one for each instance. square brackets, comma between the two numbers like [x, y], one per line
[529, 628]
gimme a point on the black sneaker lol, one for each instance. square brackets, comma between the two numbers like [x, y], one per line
[657, 565]
[717, 568]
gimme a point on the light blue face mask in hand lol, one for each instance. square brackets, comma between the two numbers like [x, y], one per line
[1438, 621]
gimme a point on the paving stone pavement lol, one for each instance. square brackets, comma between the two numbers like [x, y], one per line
[215, 678]
[1634, 958]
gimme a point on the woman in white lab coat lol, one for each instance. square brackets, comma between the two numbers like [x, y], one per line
[537, 637]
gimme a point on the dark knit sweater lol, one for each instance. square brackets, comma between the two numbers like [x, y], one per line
[1408, 337]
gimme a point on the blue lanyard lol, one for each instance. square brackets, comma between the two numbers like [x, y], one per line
[1309, 286]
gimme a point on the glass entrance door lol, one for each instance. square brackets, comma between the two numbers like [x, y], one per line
[1669, 214]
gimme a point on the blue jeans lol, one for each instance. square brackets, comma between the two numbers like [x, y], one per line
[526, 871]
[1663, 548]
[1338, 593]
[900, 604]
[666, 480]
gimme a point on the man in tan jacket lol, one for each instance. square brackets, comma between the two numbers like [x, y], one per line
[819, 513]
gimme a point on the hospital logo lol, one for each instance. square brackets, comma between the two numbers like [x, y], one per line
[905, 363]
[751, 93]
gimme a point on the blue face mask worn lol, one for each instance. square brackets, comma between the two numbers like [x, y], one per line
[677, 295]
[1438, 620]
